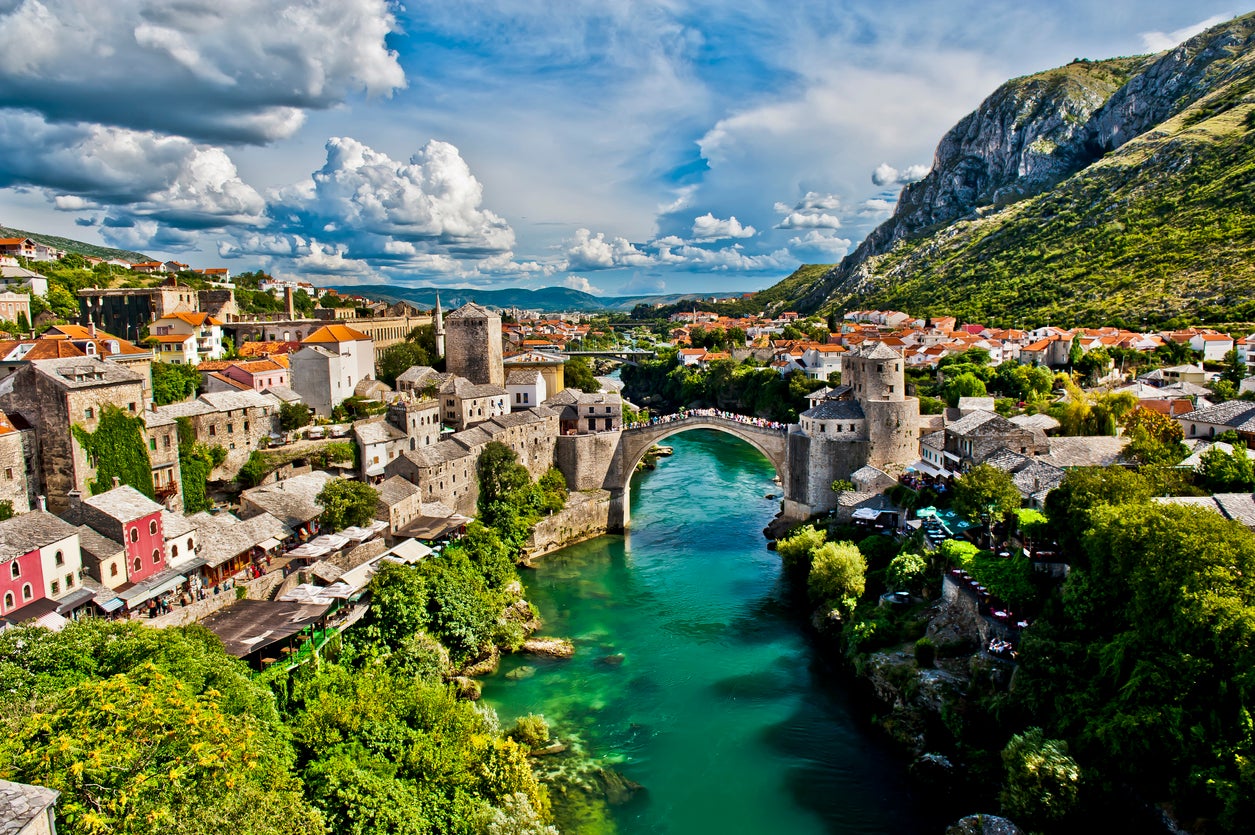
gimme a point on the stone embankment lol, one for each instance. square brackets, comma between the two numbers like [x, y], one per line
[586, 515]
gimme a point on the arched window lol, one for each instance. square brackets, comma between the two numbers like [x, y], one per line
[139, 565]
[8, 600]
[113, 569]
[15, 571]
[190, 547]
[59, 559]
[135, 534]
[156, 555]
[152, 527]
[174, 551]
[27, 593]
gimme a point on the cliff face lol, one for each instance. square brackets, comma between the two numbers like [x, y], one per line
[1036, 133]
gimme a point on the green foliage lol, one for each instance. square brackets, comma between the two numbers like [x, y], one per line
[841, 485]
[62, 302]
[293, 416]
[963, 385]
[1227, 472]
[578, 374]
[746, 388]
[530, 731]
[837, 575]
[346, 504]
[6, 510]
[117, 448]
[1042, 782]
[907, 571]
[797, 549]
[1083, 489]
[174, 382]
[983, 487]
[397, 359]
[254, 470]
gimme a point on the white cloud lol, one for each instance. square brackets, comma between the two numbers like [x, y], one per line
[710, 228]
[733, 258]
[829, 245]
[878, 206]
[225, 70]
[432, 202]
[587, 251]
[1160, 41]
[644, 285]
[798, 220]
[885, 174]
[133, 174]
[579, 282]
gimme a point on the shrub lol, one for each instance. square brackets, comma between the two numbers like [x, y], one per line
[1042, 781]
[925, 652]
[906, 572]
[531, 731]
[837, 575]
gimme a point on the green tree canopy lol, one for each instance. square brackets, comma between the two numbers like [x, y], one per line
[966, 384]
[346, 503]
[173, 382]
[117, 448]
[837, 575]
[293, 416]
[578, 374]
[1042, 782]
[395, 360]
[982, 486]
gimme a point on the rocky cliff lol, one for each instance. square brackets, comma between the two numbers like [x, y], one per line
[1018, 187]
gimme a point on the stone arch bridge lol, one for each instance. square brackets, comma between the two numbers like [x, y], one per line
[771, 439]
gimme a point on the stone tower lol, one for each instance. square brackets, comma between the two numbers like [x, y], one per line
[867, 421]
[438, 318]
[473, 345]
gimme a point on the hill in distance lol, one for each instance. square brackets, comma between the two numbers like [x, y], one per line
[1102, 192]
[545, 298]
[71, 245]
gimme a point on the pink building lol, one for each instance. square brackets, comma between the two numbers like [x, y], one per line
[127, 516]
[40, 560]
[21, 581]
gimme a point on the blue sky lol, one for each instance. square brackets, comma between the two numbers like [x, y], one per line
[611, 146]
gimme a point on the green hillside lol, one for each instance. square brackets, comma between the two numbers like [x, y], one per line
[71, 245]
[1161, 230]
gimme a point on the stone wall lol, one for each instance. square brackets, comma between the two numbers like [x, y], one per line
[586, 515]
[13, 470]
[814, 463]
[258, 589]
[473, 348]
[587, 460]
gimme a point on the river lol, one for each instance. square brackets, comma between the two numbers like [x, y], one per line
[693, 674]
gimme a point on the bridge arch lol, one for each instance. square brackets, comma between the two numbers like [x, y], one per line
[634, 442]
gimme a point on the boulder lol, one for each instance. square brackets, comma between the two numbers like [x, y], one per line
[521, 673]
[549, 647]
[467, 688]
[984, 825]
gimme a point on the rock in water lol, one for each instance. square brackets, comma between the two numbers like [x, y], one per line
[521, 673]
[467, 688]
[616, 788]
[549, 647]
[614, 660]
[984, 825]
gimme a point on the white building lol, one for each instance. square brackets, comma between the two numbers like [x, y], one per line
[527, 388]
[187, 338]
[330, 364]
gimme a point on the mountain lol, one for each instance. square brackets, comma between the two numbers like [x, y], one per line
[71, 245]
[545, 299]
[1118, 191]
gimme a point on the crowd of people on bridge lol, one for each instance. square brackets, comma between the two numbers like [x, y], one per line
[686, 414]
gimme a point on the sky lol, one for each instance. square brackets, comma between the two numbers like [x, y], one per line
[620, 147]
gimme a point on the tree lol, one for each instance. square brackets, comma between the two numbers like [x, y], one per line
[173, 382]
[837, 575]
[1042, 782]
[907, 571]
[254, 470]
[966, 384]
[500, 474]
[346, 504]
[1222, 471]
[1234, 369]
[984, 486]
[62, 302]
[578, 374]
[293, 416]
[796, 549]
[395, 360]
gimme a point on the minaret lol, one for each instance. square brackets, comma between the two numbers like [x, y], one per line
[439, 317]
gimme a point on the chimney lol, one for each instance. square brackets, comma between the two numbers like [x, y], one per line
[117, 482]
[289, 301]
[43, 503]
[91, 328]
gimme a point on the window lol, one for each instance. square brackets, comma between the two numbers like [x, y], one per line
[8, 600]
[89, 412]
[138, 565]
[230, 428]
[152, 444]
[15, 571]
[54, 588]
[113, 569]
[152, 526]
[69, 581]
[59, 559]
[213, 430]
[130, 407]
[156, 555]
[27, 592]
[8, 474]
[189, 544]
[135, 534]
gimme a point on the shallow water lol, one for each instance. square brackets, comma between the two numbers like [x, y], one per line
[693, 676]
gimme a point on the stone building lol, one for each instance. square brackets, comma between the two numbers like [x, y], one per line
[55, 395]
[465, 403]
[103, 559]
[473, 345]
[384, 331]
[582, 413]
[867, 421]
[233, 420]
[399, 503]
[443, 472]
[163, 456]
[974, 438]
[28, 810]
[552, 368]
[418, 418]
[126, 515]
[293, 501]
[18, 454]
[330, 364]
[378, 442]
[127, 311]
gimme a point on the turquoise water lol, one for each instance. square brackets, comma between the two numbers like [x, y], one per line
[693, 676]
